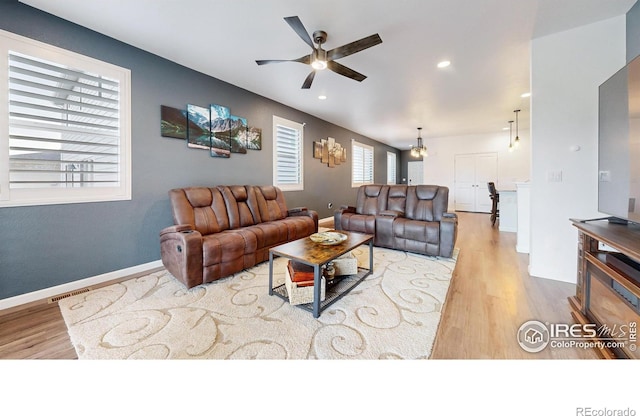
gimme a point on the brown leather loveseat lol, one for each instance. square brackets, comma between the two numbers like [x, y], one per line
[403, 217]
[222, 230]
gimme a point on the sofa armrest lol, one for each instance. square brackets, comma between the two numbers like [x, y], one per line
[296, 210]
[176, 229]
[448, 233]
[181, 253]
[450, 215]
[304, 212]
[347, 208]
[337, 215]
[391, 213]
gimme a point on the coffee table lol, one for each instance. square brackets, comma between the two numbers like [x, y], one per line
[315, 254]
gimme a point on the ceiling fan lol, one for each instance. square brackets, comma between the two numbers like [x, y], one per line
[319, 58]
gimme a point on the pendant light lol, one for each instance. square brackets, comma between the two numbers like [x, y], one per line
[516, 142]
[510, 130]
[419, 150]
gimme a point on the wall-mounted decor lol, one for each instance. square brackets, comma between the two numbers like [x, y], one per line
[212, 128]
[329, 152]
[198, 127]
[254, 138]
[173, 122]
[224, 131]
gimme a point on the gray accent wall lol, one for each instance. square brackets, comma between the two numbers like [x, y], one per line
[45, 246]
[633, 32]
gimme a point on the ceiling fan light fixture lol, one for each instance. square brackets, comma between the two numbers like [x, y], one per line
[319, 59]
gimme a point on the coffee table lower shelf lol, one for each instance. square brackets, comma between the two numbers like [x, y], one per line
[333, 291]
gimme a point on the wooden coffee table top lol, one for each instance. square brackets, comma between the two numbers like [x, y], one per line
[311, 253]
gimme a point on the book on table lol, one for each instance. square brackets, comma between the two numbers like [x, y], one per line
[300, 273]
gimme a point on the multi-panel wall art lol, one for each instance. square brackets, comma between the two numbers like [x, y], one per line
[211, 128]
[329, 152]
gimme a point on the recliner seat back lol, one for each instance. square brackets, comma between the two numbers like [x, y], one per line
[426, 202]
[242, 207]
[202, 208]
[371, 199]
[271, 203]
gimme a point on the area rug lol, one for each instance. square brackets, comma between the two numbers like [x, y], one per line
[393, 314]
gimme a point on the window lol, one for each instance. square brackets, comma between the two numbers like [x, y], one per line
[362, 156]
[288, 138]
[391, 168]
[64, 126]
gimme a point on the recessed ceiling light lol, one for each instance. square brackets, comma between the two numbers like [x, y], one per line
[322, 97]
[526, 94]
[444, 64]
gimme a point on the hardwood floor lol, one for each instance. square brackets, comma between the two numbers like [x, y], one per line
[490, 296]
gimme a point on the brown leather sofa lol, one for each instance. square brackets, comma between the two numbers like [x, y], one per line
[222, 230]
[403, 217]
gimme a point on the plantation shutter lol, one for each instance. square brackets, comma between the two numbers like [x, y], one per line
[391, 168]
[288, 155]
[64, 126]
[362, 172]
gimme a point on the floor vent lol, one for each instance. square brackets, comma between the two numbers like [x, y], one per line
[69, 294]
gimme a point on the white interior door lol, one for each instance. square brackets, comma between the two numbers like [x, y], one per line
[472, 172]
[415, 173]
[465, 183]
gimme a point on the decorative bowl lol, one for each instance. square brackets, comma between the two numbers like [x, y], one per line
[328, 238]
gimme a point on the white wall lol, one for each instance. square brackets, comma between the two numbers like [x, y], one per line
[512, 166]
[566, 70]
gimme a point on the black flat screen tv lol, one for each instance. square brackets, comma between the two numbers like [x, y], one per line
[619, 144]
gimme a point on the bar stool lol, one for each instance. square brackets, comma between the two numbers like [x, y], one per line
[495, 199]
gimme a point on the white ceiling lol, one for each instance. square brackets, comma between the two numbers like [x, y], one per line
[486, 41]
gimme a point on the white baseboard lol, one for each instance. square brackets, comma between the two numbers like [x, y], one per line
[39, 295]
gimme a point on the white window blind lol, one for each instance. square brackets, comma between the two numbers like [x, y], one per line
[68, 127]
[287, 153]
[362, 156]
[391, 168]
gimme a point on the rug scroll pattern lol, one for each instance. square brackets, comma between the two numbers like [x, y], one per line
[393, 314]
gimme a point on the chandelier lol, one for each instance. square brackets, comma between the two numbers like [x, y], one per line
[420, 149]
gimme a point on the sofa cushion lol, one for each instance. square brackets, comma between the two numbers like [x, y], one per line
[371, 199]
[299, 227]
[358, 223]
[269, 233]
[242, 208]
[202, 208]
[271, 203]
[397, 198]
[417, 236]
[426, 202]
[222, 247]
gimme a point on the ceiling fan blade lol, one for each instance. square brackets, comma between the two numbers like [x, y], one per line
[353, 47]
[303, 60]
[347, 72]
[298, 27]
[307, 82]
